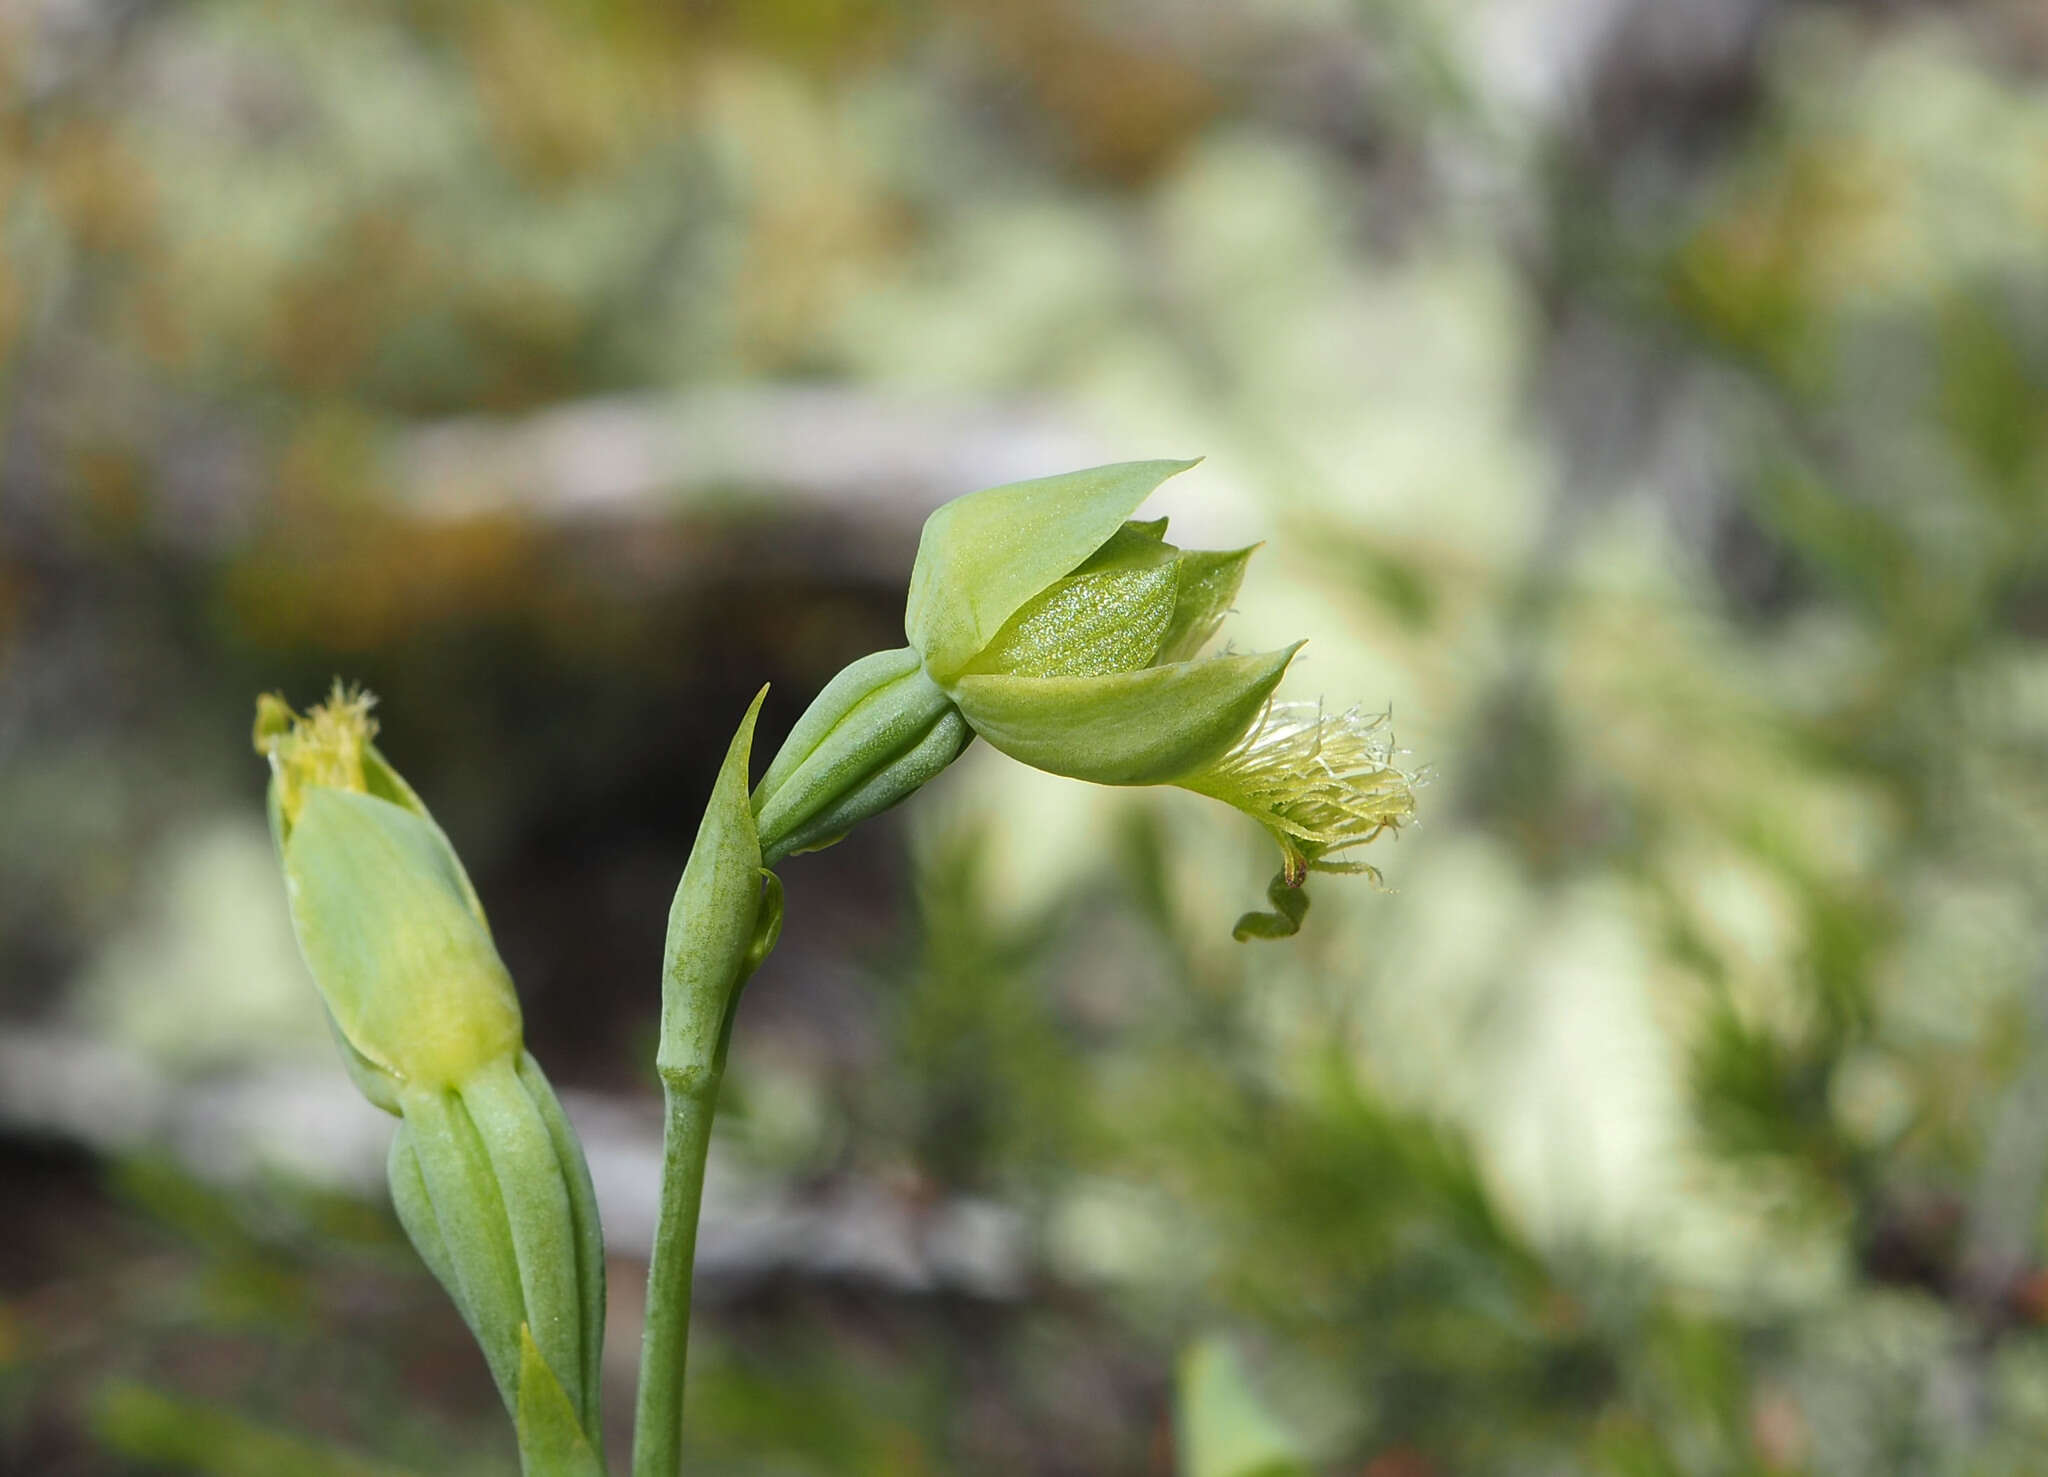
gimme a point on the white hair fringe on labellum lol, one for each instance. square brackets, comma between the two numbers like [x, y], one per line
[1320, 783]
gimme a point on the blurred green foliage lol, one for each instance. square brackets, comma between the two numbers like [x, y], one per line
[1651, 401]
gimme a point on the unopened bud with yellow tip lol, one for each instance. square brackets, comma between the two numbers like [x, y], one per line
[486, 1173]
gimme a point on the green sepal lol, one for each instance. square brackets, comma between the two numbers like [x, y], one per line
[392, 934]
[1136, 537]
[711, 924]
[1203, 595]
[552, 1442]
[1129, 728]
[983, 555]
[1290, 906]
[1151, 529]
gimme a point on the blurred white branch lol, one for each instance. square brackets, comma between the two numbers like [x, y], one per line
[239, 1127]
[839, 449]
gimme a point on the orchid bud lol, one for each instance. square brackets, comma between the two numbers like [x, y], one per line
[385, 915]
[486, 1174]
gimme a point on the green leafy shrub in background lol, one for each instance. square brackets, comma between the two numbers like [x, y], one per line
[1667, 445]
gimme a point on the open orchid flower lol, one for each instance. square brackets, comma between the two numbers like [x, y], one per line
[1044, 620]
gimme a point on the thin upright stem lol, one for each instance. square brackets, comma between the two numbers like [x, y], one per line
[665, 1345]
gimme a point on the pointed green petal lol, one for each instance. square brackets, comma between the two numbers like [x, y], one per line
[983, 555]
[1206, 590]
[1131, 728]
[1135, 537]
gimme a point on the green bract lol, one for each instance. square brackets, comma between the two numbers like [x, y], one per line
[722, 923]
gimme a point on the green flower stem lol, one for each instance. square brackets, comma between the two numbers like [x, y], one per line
[665, 1346]
[725, 918]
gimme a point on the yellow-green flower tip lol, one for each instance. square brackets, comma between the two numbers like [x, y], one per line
[274, 720]
[325, 747]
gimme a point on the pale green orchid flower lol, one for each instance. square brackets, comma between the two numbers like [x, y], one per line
[1045, 621]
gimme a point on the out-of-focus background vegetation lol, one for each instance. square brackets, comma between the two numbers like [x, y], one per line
[1647, 398]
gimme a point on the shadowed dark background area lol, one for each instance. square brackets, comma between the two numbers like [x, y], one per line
[1646, 399]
